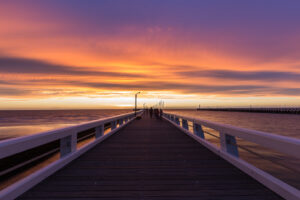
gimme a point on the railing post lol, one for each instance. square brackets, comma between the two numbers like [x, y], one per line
[228, 144]
[68, 144]
[198, 130]
[121, 122]
[113, 125]
[99, 131]
[172, 118]
[177, 121]
[185, 124]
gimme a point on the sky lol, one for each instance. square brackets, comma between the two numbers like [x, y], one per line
[59, 54]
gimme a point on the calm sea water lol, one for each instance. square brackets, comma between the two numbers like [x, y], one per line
[21, 123]
[27, 122]
[281, 124]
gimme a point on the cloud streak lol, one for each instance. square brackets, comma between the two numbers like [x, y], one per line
[31, 66]
[243, 75]
[76, 85]
[85, 87]
[4, 92]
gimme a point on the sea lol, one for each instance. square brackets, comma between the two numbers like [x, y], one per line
[18, 123]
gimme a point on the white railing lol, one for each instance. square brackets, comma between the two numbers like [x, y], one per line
[67, 138]
[230, 152]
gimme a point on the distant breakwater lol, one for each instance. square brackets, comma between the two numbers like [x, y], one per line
[290, 110]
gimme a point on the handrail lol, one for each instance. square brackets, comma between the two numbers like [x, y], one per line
[15, 145]
[229, 148]
[269, 140]
[68, 148]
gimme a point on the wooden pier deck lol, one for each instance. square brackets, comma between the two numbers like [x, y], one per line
[149, 159]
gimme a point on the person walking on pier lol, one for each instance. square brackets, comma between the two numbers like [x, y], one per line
[156, 113]
[160, 113]
[151, 112]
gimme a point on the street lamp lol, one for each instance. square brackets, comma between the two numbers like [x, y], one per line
[136, 102]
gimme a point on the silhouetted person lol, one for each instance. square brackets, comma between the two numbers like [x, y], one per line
[151, 112]
[160, 113]
[156, 113]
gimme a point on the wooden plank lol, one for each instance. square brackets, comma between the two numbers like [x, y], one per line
[149, 159]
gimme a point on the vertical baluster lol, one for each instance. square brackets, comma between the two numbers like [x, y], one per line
[177, 121]
[113, 125]
[121, 122]
[228, 144]
[185, 124]
[68, 144]
[99, 131]
[198, 130]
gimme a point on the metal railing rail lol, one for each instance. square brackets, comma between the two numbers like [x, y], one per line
[229, 149]
[68, 149]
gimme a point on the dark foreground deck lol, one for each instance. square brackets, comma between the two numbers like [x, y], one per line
[149, 159]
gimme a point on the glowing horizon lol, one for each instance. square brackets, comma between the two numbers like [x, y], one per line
[97, 54]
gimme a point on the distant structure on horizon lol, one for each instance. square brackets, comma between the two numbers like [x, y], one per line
[284, 110]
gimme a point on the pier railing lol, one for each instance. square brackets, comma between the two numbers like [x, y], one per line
[229, 149]
[63, 141]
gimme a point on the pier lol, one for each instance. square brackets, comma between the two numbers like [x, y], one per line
[150, 158]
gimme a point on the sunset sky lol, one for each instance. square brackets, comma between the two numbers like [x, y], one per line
[60, 54]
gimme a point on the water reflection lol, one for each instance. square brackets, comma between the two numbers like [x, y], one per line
[22, 130]
[18, 123]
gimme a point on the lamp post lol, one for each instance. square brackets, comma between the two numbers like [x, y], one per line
[136, 102]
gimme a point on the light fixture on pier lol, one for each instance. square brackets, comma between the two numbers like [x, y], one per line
[136, 102]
